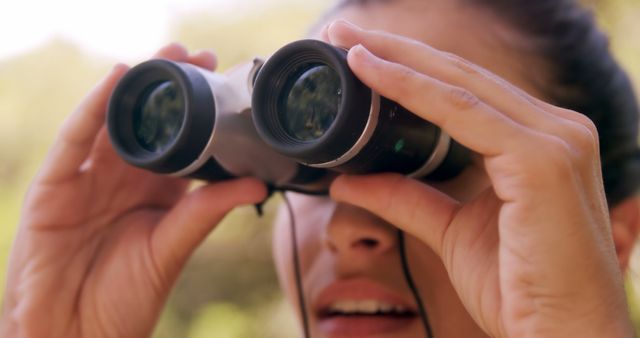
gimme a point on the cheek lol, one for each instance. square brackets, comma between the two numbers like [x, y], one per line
[281, 245]
[447, 314]
[310, 226]
[428, 272]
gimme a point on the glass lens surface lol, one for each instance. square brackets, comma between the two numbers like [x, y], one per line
[159, 116]
[312, 103]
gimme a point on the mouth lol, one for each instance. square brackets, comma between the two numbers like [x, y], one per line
[363, 308]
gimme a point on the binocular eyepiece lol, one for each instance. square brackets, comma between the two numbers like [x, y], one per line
[294, 121]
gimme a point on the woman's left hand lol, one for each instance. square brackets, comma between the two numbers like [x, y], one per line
[533, 254]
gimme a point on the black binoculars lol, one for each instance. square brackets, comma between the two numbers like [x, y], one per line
[294, 121]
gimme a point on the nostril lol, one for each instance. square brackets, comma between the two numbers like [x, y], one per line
[368, 243]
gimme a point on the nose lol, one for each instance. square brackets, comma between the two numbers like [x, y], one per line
[355, 231]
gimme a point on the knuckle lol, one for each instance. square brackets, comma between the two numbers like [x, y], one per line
[584, 140]
[403, 83]
[405, 75]
[585, 122]
[582, 135]
[579, 118]
[588, 123]
[557, 156]
[462, 64]
[546, 162]
[547, 156]
[594, 136]
[461, 99]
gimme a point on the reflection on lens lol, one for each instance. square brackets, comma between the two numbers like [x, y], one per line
[312, 104]
[158, 117]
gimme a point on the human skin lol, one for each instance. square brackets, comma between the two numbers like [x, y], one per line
[519, 245]
[100, 243]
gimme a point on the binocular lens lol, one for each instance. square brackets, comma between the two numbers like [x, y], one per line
[312, 103]
[293, 121]
[308, 105]
[158, 117]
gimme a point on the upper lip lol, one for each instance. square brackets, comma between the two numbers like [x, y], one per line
[359, 289]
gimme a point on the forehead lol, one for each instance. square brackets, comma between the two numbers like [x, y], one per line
[474, 33]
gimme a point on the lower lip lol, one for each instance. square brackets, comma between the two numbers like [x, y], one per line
[363, 326]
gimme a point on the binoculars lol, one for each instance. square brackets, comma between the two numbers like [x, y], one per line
[295, 121]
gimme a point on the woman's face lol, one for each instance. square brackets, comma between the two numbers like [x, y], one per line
[349, 258]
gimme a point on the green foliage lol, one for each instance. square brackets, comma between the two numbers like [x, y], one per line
[255, 32]
[634, 303]
[620, 19]
[221, 320]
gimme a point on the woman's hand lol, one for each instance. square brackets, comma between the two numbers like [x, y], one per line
[100, 243]
[532, 256]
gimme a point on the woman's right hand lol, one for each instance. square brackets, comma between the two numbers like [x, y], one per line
[530, 256]
[100, 243]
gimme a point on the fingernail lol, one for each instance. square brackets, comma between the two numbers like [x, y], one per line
[346, 24]
[176, 45]
[203, 51]
[341, 22]
[360, 52]
[119, 68]
[325, 28]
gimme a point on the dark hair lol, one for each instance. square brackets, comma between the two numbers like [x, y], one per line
[585, 77]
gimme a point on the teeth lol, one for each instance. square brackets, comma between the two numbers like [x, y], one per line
[384, 307]
[368, 306]
[347, 306]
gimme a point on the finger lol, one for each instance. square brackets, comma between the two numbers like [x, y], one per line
[414, 207]
[77, 134]
[449, 68]
[102, 153]
[456, 110]
[103, 150]
[573, 128]
[204, 59]
[173, 51]
[324, 33]
[177, 52]
[195, 215]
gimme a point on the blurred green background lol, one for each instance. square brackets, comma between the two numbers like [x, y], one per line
[229, 288]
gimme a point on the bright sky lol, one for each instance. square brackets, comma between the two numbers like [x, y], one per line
[124, 29]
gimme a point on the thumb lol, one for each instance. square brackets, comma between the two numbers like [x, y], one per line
[412, 206]
[188, 223]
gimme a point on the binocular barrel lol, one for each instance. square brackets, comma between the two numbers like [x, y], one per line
[294, 121]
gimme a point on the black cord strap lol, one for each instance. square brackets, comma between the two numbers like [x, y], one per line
[407, 276]
[296, 268]
[298, 279]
